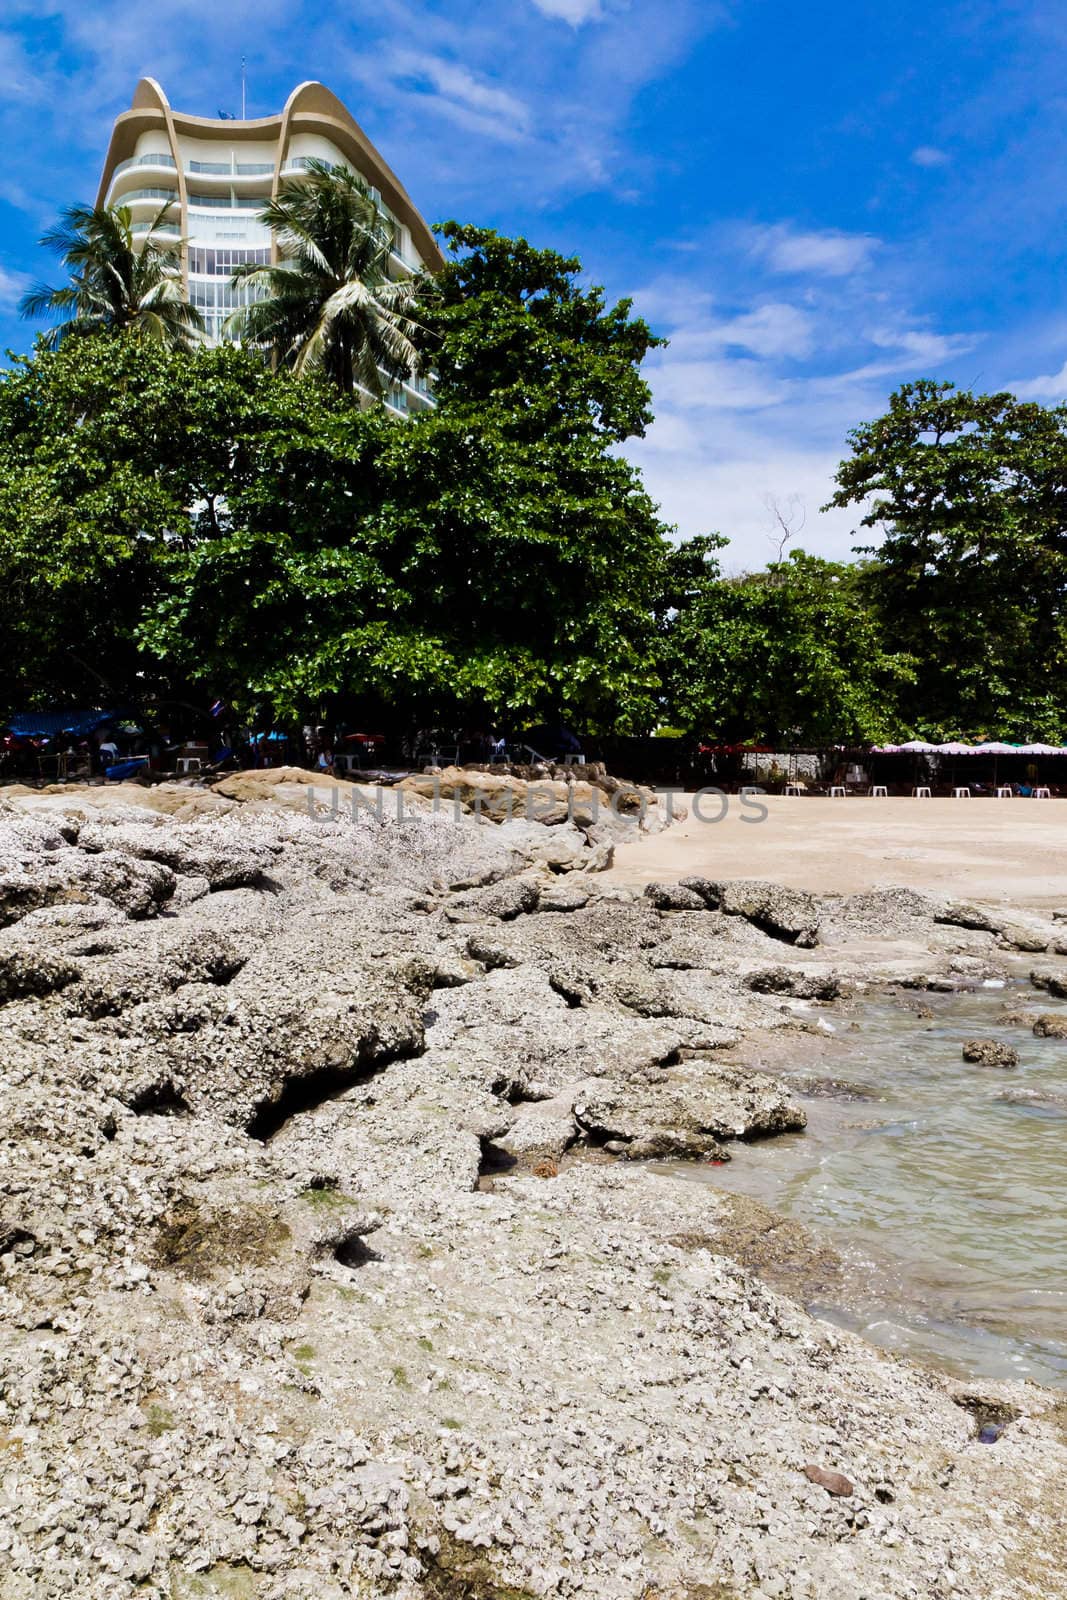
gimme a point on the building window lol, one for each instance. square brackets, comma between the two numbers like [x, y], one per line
[210, 263]
[228, 202]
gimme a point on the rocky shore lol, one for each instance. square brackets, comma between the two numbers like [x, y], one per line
[335, 1262]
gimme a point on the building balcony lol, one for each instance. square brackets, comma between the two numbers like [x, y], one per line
[230, 171]
[227, 202]
[156, 197]
[153, 158]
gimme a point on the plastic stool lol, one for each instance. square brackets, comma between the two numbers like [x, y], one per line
[837, 792]
[794, 788]
[1005, 792]
[880, 789]
[921, 793]
[185, 765]
[961, 794]
[1042, 794]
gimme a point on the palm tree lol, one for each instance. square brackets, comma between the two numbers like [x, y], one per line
[114, 285]
[329, 305]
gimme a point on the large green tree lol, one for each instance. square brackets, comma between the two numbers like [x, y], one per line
[196, 522]
[118, 459]
[970, 579]
[791, 655]
[119, 283]
[493, 557]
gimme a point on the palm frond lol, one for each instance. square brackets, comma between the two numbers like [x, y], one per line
[114, 284]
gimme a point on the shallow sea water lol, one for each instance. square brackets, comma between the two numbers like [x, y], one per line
[946, 1193]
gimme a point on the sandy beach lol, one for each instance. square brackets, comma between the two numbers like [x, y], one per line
[1009, 850]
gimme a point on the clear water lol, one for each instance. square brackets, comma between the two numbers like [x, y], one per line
[947, 1193]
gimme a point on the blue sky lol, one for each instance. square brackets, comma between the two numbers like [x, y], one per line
[814, 203]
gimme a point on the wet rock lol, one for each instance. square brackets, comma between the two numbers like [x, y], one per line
[1051, 980]
[709, 892]
[1036, 1100]
[720, 1102]
[962, 914]
[567, 895]
[782, 1251]
[542, 1130]
[272, 1326]
[989, 1053]
[1051, 1025]
[669, 1144]
[835, 1089]
[26, 972]
[800, 985]
[139, 888]
[208, 848]
[562, 849]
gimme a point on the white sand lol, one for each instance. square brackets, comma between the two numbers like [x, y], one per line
[998, 850]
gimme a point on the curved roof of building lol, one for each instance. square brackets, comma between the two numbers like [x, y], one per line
[311, 108]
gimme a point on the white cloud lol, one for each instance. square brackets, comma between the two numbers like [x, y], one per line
[734, 386]
[13, 286]
[928, 155]
[772, 328]
[824, 252]
[755, 396]
[458, 84]
[573, 11]
[1052, 387]
[433, 82]
[729, 494]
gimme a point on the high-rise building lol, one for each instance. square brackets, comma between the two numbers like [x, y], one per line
[218, 173]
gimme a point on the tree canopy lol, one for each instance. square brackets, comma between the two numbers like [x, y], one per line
[196, 521]
[790, 655]
[970, 580]
[188, 523]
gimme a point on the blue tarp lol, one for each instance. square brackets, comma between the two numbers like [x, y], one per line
[125, 769]
[50, 724]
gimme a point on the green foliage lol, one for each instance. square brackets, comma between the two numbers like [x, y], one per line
[118, 458]
[513, 329]
[793, 654]
[188, 523]
[970, 581]
[118, 284]
[194, 524]
[464, 563]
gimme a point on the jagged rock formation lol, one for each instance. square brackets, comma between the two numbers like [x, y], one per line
[318, 1276]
